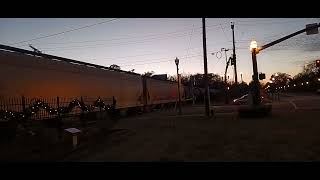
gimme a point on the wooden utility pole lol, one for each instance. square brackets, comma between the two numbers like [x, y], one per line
[234, 55]
[206, 96]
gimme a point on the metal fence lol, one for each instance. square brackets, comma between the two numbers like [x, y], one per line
[20, 104]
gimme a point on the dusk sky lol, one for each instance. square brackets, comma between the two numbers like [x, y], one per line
[151, 44]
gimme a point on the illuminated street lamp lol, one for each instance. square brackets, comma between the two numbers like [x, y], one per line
[177, 63]
[253, 45]
[256, 90]
[273, 79]
[307, 82]
[294, 85]
[318, 79]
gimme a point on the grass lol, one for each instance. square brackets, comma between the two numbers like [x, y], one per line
[161, 136]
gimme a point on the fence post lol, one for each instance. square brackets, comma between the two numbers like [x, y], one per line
[100, 105]
[23, 102]
[59, 119]
[82, 118]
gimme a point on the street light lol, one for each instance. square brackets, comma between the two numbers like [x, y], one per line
[253, 45]
[241, 76]
[177, 63]
[256, 90]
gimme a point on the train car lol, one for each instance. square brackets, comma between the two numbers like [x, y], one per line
[161, 91]
[35, 76]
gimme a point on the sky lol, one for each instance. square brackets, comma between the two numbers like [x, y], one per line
[152, 44]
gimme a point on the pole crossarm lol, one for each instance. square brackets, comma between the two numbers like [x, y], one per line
[287, 37]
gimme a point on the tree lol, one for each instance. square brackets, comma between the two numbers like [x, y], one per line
[148, 73]
[185, 78]
[280, 79]
[114, 66]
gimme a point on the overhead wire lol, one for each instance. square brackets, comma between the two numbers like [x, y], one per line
[63, 32]
[160, 61]
[130, 37]
[68, 48]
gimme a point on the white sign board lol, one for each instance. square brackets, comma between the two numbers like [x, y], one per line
[312, 30]
[72, 130]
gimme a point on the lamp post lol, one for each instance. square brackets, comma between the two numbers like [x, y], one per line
[256, 90]
[241, 77]
[177, 63]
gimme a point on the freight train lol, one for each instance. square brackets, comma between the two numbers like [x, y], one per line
[31, 74]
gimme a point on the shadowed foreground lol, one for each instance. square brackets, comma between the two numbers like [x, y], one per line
[154, 137]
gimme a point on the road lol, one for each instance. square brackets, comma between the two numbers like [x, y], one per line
[301, 102]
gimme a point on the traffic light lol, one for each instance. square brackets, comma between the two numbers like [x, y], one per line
[262, 76]
[318, 63]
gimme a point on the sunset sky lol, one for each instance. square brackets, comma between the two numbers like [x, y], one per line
[151, 44]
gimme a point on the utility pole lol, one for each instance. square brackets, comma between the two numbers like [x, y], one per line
[177, 63]
[234, 55]
[206, 96]
[192, 89]
[225, 75]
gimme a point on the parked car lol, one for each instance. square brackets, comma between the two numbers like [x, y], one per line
[244, 100]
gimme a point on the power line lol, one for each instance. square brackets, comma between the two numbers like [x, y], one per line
[109, 45]
[116, 44]
[161, 61]
[189, 45]
[63, 32]
[71, 48]
[224, 33]
[130, 37]
[255, 23]
[146, 60]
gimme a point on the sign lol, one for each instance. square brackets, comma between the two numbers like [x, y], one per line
[72, 130]
[312, 29]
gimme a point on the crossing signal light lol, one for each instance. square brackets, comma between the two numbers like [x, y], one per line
[318, 63]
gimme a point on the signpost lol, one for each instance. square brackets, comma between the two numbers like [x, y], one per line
[74, 132]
